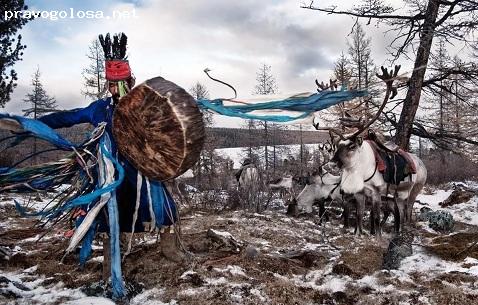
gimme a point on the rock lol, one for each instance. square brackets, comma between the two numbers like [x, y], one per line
[251, 252]
[399, 248]
[441, 221]
[292, 209]
[102, 289]
[225, 240]
[424, 214]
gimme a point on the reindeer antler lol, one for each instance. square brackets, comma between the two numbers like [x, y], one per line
[329, 129]
[388, 78]
[332, 85]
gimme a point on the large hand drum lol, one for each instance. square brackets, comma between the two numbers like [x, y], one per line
[158, 127]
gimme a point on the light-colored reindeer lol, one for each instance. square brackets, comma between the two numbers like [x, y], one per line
[360, 176]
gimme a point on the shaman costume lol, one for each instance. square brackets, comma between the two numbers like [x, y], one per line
[107, 193]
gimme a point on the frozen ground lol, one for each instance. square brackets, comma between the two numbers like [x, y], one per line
[281, 260]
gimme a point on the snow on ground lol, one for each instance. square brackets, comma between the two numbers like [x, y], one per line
[466, 212]
[292, 261]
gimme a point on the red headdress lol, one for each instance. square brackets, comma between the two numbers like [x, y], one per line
[116, 66]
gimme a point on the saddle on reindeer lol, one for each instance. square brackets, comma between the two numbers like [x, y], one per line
[373, 169]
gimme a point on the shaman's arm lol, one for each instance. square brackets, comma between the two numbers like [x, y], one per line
[68, 118]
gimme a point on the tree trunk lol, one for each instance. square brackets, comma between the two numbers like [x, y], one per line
[266, 152]
[412, 100]
[301, 150]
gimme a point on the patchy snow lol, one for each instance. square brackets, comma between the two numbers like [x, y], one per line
[26, 287]
[222, 233]
[217, 281]
[233, 270]
[151, 297]
[334, 283]
[433, 200]
[240, 280]
[466, 212]
[187, 273]
[90, 301]
[422, 262]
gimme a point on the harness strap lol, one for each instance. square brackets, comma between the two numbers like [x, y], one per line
[374, 172]
[333, 190]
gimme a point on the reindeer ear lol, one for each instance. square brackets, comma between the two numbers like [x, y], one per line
[359, 140]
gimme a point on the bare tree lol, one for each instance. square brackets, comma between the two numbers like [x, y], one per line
[199, 91]
[93, 75]
[205, 163]
[359, 49]
[343, 70]
[415, 25]
[265, 84]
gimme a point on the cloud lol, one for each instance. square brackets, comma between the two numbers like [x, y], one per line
[178, 39]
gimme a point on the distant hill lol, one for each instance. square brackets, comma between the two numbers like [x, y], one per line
[237, 137]
[218, 137]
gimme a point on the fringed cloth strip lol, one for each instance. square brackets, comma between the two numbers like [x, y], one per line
[107, 176]
[307, 105]
[36, 129]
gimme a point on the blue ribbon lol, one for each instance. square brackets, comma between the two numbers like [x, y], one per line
[306, 105]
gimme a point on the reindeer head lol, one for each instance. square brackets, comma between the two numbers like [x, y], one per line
[319, 187]
[347, 153]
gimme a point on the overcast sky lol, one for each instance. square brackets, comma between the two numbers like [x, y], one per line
[178, 39]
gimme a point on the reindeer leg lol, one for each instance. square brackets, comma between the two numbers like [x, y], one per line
[360, 199]
[346, 214]
[397, 215]
[322, 212]
[386, 213]
[372, 221]
[376, 207]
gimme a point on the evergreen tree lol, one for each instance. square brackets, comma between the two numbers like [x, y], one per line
[11, 47]
[39, 101]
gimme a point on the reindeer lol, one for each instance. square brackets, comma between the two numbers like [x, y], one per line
[361, 178]
[248, 175]
[322, 187]
[326, 186]
[285, 186]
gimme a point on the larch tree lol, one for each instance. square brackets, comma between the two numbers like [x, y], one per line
[265, 84]
[94, 73]
[39, 102]
[415, 24]
[206, 162]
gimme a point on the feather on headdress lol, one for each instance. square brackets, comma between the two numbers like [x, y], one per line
[116, 66]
